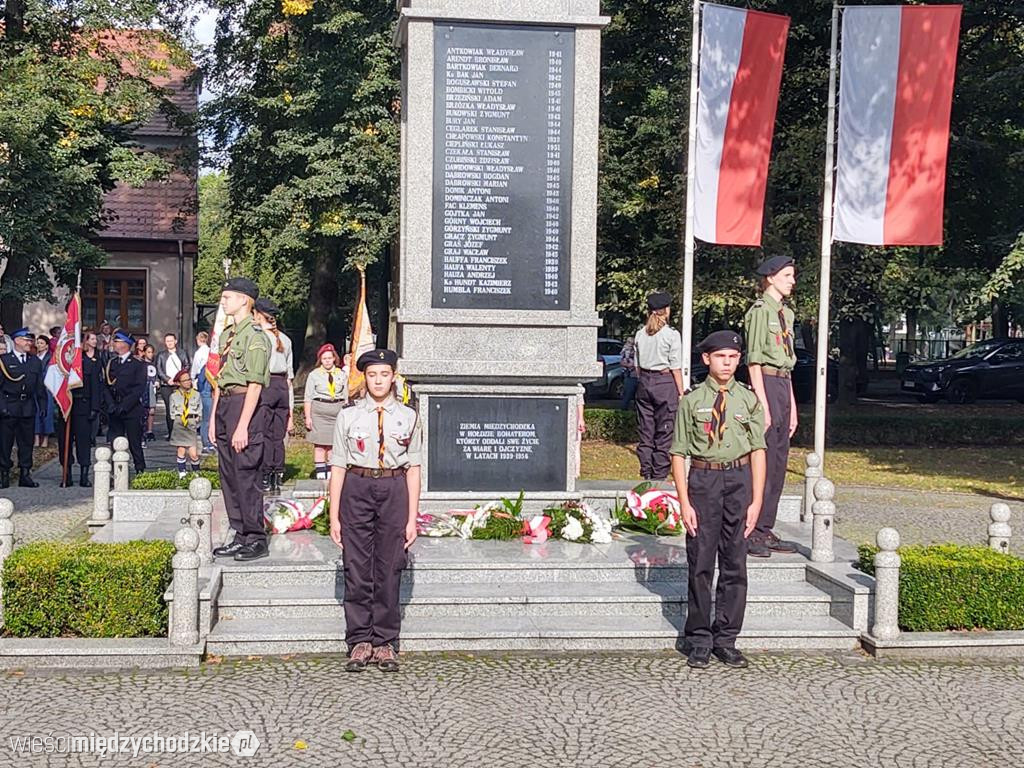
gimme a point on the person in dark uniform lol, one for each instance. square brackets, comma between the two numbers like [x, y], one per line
[239, 421]
[21, 384]
[85, 408]
[659, 362]
[720, 427]
[124, 387]
[374, 500]
[279, 397]
[771, 357]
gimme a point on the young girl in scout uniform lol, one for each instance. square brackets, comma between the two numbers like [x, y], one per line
[279, 397]
[770, 360]
[374, 499]
[186, 409]
[326, 393]
[659, 362]
[720, 426]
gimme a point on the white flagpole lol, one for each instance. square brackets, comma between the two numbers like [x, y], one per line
[691, 164]
[821, 385]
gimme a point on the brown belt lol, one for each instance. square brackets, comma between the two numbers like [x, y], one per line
[229, 391]
[742, 461]
[376, 473]
[648, 370]
[279, 374]
[780, 373]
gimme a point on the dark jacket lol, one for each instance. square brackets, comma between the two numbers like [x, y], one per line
[124, 386]
[87, 397]
[21, 384]
[161, 364]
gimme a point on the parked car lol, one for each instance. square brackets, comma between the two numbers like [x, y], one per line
[609, 354]
[804, 374]
[993, 368]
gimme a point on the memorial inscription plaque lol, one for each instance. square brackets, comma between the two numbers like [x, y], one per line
[497, 444]
[503, 134]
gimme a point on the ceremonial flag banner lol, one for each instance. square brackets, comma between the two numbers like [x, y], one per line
[65, 370]
[895, 96]
[213, 361]
[741, 54]
[362, 336]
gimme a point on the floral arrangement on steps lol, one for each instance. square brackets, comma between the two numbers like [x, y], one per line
[650, 510]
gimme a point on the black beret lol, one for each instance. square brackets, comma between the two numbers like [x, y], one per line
[774, 264]
[659, 300]
[377, 357]
[242, 285]
[721, 340]
[267, 307]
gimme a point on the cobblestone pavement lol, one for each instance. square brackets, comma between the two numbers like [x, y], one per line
[641, 710]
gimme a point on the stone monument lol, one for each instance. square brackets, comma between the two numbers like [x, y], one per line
[495, 312]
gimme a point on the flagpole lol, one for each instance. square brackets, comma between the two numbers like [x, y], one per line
[691, 164]
[67, 445]
[824, 293]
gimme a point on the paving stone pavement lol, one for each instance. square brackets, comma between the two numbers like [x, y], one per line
[595, 710]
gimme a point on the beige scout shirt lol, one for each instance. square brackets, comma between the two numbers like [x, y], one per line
[744, 423]
[248, 352]
[662, 351]
[194, 403]
[282, 362]
[318, 384]
[357, 430]
[766, 344]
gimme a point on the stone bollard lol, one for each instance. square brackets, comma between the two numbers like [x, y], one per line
[812, 473]
[887, 585]
[121, 459]
[200, 514]
[999, 529]
[185, 611]
[6, 540]
[101, 486]
[824, 512]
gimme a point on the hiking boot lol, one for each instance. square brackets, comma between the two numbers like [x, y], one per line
[384, 656]
[359, 657]
[775, 544]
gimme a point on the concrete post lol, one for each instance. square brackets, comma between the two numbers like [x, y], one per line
[999, 529]
[887, 586]
[6, 541]
[812, 473]
[184, 628]
[121, 459]
[101, 486]
[200, 513]
[824, 511]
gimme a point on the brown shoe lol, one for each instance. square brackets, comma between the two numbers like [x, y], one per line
[775, 544]
[384, 656]
[756, 547]
[359, 657]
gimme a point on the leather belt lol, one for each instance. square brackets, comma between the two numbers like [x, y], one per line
[376, 474]
[278, 374]
[328, 400]
[742, 461]
[236, 390]
[19, 396]
[648, 370]
[779, 373]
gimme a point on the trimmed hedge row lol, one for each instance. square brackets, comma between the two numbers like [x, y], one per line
[168, 480]
[64, 589]
[948, 586]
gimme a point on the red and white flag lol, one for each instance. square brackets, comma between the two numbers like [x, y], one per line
[741, 55]
[213, 361]
[895, 97]
[65, 370]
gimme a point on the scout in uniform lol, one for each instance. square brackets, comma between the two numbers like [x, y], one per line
[659, 363]
[720, 427]
[770, 360]
[374, 499]
[186, 414]
[125, 383]
[86, 402]
[278, 398]
[238, 421]
[21, 384]
[326, 393]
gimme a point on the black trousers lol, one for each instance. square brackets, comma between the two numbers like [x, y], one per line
[776, 440]
[657, 400]
[129, 426]
[373, 516]
[275, 400]
[240, 470]
[20, 430]
[80, 436]
[720, 498]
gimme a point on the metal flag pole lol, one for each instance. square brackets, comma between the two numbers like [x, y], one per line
[691, 164]
[821, 385]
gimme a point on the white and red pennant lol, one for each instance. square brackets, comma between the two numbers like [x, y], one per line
[65, 370]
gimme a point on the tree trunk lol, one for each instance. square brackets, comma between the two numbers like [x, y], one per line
[862, 329]
[911, 331]
[13, 307]
[1000, 320]
[323, 297]
[810, 338]
[847, 361]
[14, 19]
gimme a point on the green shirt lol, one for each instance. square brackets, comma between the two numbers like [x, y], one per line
[247, 356]
[765, 342]
[744, 423]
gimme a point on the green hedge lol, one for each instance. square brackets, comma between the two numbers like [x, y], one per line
[64, 589]
[168, 480]
[948, 586]
[608, 424]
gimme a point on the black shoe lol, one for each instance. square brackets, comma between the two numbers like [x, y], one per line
[699, 658]
[756, 547]
[5, 479]
[276, 479]
[266, 485]
[83, 480]
[775, 544]
[25, 480]
[253, 551]
[69, 483]
[731, 657]
[228, 550]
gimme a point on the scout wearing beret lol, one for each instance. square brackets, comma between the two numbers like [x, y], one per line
[720, 427]
[278, 398]
[125, 384]
[374, 499]
[326, 393]
[21, 383]
[238, 423]
[659, 365]
[770, 360]
[186, 410]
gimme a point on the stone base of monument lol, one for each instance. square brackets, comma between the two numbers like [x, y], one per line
[97, 653]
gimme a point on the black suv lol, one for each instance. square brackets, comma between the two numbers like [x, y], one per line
[992, 369]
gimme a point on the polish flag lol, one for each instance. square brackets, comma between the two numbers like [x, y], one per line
[213, 366]
[741, 55]
[65, 370]
[895, 97]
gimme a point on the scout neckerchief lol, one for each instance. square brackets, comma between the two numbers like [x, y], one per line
[718, 421]
[787, 339]
[330, 381]
[187, 396]
[7, 373]
[380, 437]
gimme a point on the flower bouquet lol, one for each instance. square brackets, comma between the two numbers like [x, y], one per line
[577, 521]
[650, 510]
[285, 515]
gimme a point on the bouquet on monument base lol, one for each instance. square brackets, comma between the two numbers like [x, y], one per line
[499, 520]
[284, 515]
[574, 520]
[651, 510]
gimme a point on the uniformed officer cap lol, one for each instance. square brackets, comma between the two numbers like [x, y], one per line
[774, 264]
[123, 336]
[242, 285]
[658, 300]
[21, 332]
[267, 307]
[377, 357]
[721, 340]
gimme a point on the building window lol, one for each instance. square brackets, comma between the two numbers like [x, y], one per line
[117, 297]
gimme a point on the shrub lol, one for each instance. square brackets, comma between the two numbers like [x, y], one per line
[609, 424]
[168, 480]
[948, 586]
[64, 589]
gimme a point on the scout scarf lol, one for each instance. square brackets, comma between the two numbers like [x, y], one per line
[185, 409]
[787, 337]
[717, 426]
[330, 381]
